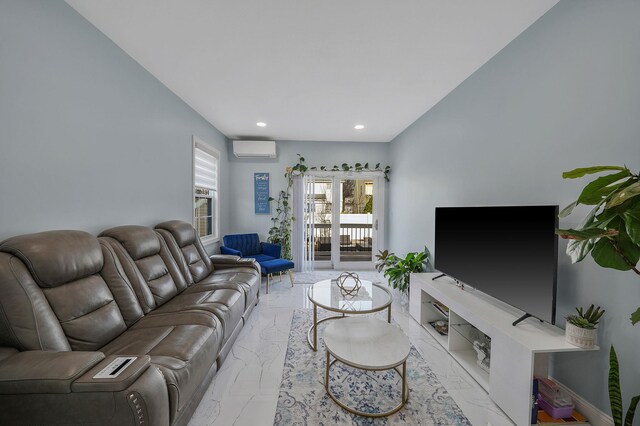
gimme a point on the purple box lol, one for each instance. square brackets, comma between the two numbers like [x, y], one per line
[555, 412]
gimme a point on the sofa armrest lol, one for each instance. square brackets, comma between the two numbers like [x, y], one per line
[230, 251]
[273, 250]
[37, 372]
[128, 375]
[221, 261]
[40, 387]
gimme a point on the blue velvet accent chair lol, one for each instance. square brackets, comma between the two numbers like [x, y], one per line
[268, 255]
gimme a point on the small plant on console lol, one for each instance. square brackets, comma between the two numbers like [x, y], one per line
[398, 270]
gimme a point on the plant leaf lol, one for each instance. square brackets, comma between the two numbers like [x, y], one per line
[624, 195]
[635, 317]
[615, 396]
[577, 173]
[632, 224]
[595, 191]
[631, 411]
[567, 210]
[606, 256]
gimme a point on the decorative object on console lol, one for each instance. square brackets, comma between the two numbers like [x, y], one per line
[581, 329]
[611, 231]
[398, 270]
[483, 351]
[348, 283]
[441, 326]
[556, 402]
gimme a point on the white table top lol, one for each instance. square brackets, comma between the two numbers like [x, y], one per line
[366, 342]
[370, 297]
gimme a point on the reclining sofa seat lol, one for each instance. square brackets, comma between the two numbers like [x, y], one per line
[65, 304]
[210, 272]
[161, 287]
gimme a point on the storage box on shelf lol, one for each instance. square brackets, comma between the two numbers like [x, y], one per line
[517, 353]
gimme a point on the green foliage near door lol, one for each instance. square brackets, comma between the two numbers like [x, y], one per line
[281, 229]
[280, 232]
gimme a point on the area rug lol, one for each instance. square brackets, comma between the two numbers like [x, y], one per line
[303, 401]
[327, 274]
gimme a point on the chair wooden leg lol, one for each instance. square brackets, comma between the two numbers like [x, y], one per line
[290, 276]
[268, 275]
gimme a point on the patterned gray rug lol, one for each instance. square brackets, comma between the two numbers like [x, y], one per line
[303, 401]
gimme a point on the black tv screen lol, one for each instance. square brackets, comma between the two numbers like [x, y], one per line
[510, 253]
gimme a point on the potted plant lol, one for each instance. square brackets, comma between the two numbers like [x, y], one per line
[581, 328]
[397, 270]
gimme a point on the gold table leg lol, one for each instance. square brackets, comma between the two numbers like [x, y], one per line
[315, 327]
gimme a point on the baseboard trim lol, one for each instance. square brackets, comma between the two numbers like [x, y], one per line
[591, 412]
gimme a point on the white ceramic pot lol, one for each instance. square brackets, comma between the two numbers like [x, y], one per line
[581, 337]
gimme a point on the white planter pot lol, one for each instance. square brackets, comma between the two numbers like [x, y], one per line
[581, 337]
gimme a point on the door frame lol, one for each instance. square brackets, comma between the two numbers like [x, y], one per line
[378, 217]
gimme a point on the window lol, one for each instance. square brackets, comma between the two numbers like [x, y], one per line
[206, 168]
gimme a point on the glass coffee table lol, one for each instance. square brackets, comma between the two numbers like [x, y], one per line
[327, 295]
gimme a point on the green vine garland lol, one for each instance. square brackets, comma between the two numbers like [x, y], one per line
[280, 232]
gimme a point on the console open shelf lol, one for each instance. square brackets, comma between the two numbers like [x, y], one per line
[517, 352]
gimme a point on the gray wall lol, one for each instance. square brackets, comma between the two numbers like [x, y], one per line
[316, 154]
[564, 94]
[88, 138]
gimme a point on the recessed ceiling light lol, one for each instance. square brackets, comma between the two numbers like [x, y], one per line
[261, 124]
[359, 126]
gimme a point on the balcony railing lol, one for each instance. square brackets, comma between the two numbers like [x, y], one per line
[355, 241]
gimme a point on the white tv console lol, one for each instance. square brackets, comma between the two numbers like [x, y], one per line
[517, 352]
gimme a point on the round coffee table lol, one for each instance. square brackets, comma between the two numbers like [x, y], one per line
[367, 343]
[327, 295]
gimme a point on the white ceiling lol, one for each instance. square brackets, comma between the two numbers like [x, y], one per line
[312, 69]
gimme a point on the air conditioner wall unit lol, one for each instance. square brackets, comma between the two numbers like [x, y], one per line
[254, 149]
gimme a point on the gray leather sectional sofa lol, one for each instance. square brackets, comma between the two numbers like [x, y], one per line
[71, 304]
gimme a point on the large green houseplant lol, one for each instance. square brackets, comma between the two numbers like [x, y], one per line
[611, 231]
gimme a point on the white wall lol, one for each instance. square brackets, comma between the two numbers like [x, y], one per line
[564, 94]
[88, 138]
[317, 154]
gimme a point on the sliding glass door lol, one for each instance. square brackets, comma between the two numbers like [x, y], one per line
[343, 220]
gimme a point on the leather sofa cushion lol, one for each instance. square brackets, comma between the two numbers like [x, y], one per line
[57, 257]
[183, 232]
[242, 278]
[184, 353]
[226, 304]
[87, 312]
[186, 248]
[138, 241]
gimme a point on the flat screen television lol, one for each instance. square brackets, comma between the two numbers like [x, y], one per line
[510, 253]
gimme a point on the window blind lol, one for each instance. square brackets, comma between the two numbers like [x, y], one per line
[205, 169]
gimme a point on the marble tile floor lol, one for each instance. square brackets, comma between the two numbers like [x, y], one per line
[245, 390]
